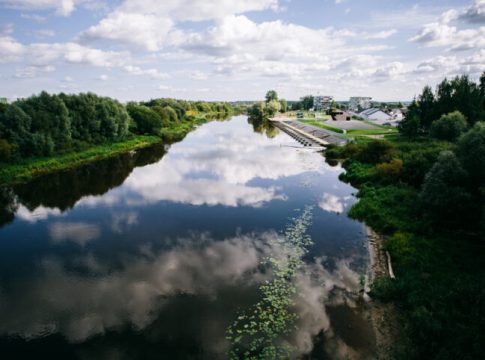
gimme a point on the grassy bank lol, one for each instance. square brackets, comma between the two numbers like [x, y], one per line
[30, 168]
[440, 272]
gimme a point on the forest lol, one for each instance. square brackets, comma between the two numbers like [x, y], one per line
[44, 125]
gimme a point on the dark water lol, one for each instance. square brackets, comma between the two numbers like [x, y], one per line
[153, 254]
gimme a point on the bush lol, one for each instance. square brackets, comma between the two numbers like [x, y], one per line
[388, 209]
[449, 127]
[7, 150]
[390, 171]
[375, 152]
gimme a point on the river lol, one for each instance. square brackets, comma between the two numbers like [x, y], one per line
[155, 253]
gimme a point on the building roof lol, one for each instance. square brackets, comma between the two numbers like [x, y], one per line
[371, 111]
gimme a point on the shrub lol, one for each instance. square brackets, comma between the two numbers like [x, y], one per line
[7, 150]
[390, 171]
[375, 152]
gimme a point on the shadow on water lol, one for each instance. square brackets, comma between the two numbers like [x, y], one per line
[62, 190]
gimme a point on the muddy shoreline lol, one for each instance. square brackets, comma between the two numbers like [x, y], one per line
[383, 316]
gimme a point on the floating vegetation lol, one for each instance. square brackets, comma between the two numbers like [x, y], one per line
[259, 332]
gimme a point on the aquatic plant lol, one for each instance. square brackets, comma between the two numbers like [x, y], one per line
[259, 332]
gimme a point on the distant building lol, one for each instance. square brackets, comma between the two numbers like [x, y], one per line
[322, 102]
[375, 115]
[359, 103]
[397, 114]
[3, 100]
[340, 115]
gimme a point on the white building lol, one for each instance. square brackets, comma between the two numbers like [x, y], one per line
[357, 103]
[397, 115]
[375, 115]
[322, 102]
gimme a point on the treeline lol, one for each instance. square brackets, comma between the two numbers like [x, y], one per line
[306, 103]
[44, 124]
[459, 94]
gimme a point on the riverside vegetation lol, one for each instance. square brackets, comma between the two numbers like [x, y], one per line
[45, 133]
[425, 190]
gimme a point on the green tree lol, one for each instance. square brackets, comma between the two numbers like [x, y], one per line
[471, 151]
[444, 198]
[272, 108]
[147, 121]
[271, 95]
[449, 127]
[427, 107]
[283, 105]
[410, 126]
[307, 102]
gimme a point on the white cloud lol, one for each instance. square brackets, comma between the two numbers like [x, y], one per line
[442, 33]
[79, 233]
[62, 7]
[140, 30]
[10, 49]
[103, 77]
[147, 23]
[331, 203]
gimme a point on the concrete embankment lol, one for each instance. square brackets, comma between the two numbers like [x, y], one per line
[306, 134]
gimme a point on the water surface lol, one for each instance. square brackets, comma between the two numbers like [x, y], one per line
[153, 254]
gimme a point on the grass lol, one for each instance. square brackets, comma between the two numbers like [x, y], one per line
[30, 168]
[323, 126]
[383, 131]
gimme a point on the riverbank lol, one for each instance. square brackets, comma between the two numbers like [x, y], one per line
[31, 168]
[28, 169]
[438, 291]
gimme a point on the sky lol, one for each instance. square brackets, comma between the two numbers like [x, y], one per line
[227, 50]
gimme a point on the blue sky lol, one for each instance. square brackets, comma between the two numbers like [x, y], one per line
[236, 50]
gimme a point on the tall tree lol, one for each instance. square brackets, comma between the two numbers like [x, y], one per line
[271, 95]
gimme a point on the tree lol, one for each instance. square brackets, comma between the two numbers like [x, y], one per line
[271, 95]
[449, 127]
[427, 107]
[410, 126]
[443, 195]
[283, 105]
[471, 151]
[147, 120]
[272, 108]
[307, 102]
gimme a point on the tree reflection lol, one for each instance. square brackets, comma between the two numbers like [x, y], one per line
[263, 126]
[63, 189]
[8, 206]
